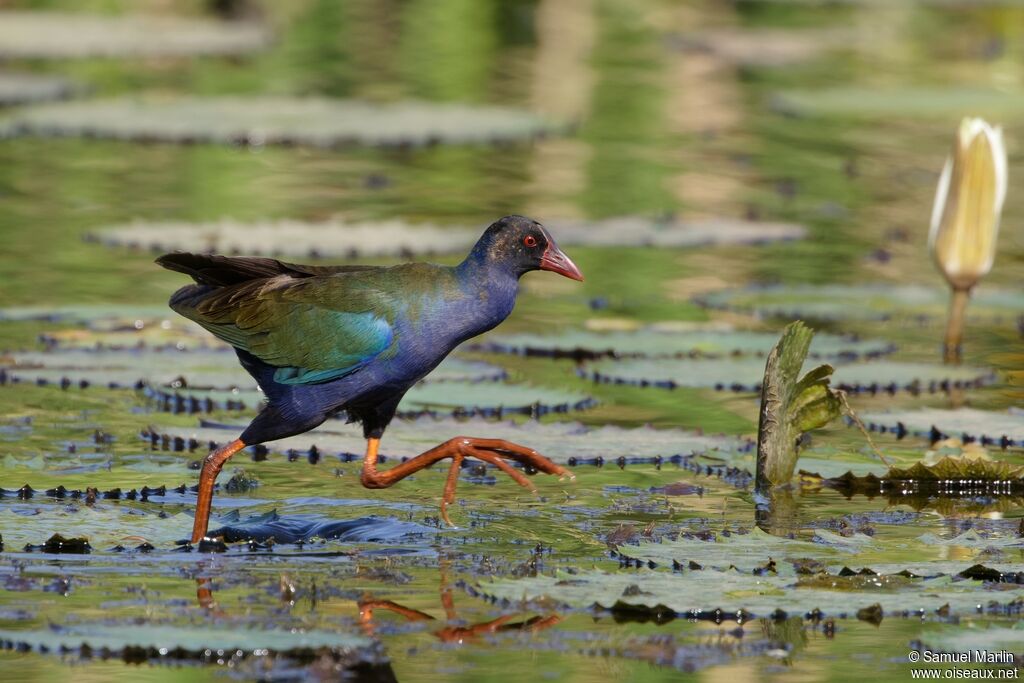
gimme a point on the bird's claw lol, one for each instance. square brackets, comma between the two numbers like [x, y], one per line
[496, 452]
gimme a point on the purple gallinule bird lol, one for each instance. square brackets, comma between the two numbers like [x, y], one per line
[321, 340]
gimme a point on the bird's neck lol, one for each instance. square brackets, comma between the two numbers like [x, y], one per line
[478, 269]
[494, 284]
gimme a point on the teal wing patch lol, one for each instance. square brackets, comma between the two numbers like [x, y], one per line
[309, 340]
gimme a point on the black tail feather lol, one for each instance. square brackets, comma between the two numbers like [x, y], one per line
[223, 271]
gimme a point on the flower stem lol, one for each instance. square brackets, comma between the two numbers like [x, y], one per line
[951, 352]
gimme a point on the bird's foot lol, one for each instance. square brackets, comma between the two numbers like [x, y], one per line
[496, 452]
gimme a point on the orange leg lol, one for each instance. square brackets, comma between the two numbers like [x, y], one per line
[493, 451]
[212, 466]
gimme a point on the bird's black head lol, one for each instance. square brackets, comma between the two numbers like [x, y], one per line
[521, 245]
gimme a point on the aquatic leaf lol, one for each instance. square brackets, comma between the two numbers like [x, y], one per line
[189, 637]
[564, 442]
[904, 102]
[972, 539]
[443, 394]
[745, 552]
[179, 366]
[662, 341]
[790, 407]
[106, 525]
[63, 35]
[129, 367]
[269, 120]
[863, 302]
[951, 468]
[24, 88]
[731, 594]
[672, 233]
[1000, 428]
[745, 374]
[921, 484]
[95, 317]
[337, 238]
[836, 553]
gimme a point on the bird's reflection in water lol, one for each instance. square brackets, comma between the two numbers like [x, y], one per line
[450, 632]
[451, 629]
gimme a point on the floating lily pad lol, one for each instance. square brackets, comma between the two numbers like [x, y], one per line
[951, 476]
[192, 639]
[735, 595]
[657, 342]
[19, 88]
[107, 527]
[862, 302]
[746, 552]
[128, 368]
[905, 102]
[62, 35]
[292, 239]
[673, 233]
[268, 120]
[749, 553]
[297, 239]
[564, 442]
[100, 317]
[973, 539]
[1005, 429]
[745, 374]
[435, 395]
[177, 368]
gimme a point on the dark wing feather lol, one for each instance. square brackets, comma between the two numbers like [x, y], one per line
[221, 271]
[313, 323]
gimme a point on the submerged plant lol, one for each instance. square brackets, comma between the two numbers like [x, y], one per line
[965, 218]
[790, 407]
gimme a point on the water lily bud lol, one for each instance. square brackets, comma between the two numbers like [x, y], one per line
[968, 202]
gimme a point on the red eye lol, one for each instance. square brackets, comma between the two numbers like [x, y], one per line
[530, 241]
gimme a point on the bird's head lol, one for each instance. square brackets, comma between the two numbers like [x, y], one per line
[521, 245]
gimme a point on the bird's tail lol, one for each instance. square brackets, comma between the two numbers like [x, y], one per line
[221, 271]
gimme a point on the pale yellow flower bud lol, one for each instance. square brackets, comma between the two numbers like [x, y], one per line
[968, 203]
[965, 218]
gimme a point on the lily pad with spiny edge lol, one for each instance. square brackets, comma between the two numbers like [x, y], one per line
[172, 367]
[64, 35]
[996, 428]
[94, 317]
[735, 595]
[172, 643]
[435, 395]
[759, 553]
[24, 88]
[660, 341]
[340, 239]
[113, 327]
[916, 303]
[110, 527]
[269, 120]
[745, 375]
[567, 443]
[949, 476]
